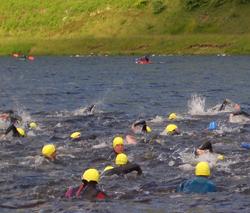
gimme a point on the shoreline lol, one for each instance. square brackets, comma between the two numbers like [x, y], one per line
[187, 44]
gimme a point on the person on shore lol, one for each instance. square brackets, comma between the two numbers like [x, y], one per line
[88, 189]
[199, 184]
[123, 166]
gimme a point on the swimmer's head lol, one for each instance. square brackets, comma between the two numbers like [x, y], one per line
[91, 175]
[118, 145]
[49, 151]
[121, 159]
[172, 116]
[172, 129]
[202, 169]
[75, 135]
[204, 148]
[237, 107]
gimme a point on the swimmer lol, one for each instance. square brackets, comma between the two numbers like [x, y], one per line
[49, 152]
[10, 116]
[90, 109]
[227, 105]
[13, 120]
[118, 147]
[16, 131]
[88, 188]
[172, 116]
[172, 129]
[205, 151]
[138, 127]
[143, 60]
[238, 115]
[199, 184]
[123, 166]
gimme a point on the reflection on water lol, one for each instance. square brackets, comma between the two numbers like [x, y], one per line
[56, 91]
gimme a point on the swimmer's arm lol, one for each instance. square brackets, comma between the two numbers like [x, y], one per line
[10, 128]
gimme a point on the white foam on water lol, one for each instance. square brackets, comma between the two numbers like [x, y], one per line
[157, 119]
[239, 119]
[196, 105]
[101, 145]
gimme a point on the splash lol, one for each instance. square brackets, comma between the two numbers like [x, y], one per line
[196, 105]
[157, 119]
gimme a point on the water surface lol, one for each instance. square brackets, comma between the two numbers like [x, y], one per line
[55, 91]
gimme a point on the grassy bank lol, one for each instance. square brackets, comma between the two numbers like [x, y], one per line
[64, 27]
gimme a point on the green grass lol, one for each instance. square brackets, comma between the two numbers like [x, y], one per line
[169, 44]
[65, 27]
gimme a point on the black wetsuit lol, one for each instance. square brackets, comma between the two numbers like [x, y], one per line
[122, 170]
[12, 128]
[223, 105]
[13, 118]
[91, 108]
[143, 125]
[87, 190]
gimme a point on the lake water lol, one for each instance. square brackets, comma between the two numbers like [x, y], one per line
[55, 91]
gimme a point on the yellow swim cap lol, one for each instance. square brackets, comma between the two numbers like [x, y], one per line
[32, 125]
[202, 169]
[121, 159]
[108, 168]
[21, 132]
[170, 128]
[220, 157]
[148, 129]
[117, 141]
[172, 116]
[75, 135]
[91, 175]
[48, 150]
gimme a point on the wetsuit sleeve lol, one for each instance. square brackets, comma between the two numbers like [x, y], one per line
[140, 123]
[130, 167]
[12, 128]
[223, 105]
